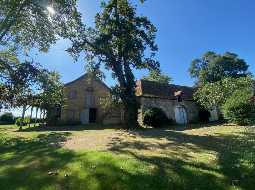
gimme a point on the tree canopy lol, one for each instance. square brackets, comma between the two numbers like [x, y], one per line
[157, 76]
[36, 23]
[121, 41]
[27, 24]
[18, 79]
[216, 94]
[212, 67]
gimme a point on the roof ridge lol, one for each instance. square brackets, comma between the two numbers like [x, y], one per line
[158, 83]
[82, 76]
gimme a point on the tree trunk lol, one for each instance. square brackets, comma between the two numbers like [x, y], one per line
[131, 115]
[23, 115]
[24, 111]
[40, 117]
[31, 114]
[36, 114]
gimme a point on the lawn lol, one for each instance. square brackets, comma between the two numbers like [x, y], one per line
[90, 158]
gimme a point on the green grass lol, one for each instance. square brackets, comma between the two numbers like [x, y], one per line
[220, 157]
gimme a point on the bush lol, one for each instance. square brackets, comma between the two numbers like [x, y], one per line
[7, 118]
[22, 122]
[239, 108]
[204, 115]
[155, 117]
[19, 122]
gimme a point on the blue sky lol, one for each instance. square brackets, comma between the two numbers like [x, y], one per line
[186, 29]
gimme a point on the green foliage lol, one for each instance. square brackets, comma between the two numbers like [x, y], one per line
[94, 71]
[27, 83]
[36, 24]
[214, 94]
[7, 118]
[18, 81]
[52, 89]
[20, 122]
[214, 67]
[155, 117]
[157, 76]
[239, 108]
[26, 24]
[51, 96]
[121, 41]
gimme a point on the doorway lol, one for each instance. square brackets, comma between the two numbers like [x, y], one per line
[92, 115]
[181, 115]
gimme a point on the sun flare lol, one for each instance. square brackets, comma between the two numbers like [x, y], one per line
[51, 10]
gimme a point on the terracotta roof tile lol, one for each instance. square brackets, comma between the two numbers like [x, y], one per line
[154, 89]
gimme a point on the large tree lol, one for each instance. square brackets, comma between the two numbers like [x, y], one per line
[212, 67]
[36, 23]
[218, 77]
[122, 41]
[26, 24]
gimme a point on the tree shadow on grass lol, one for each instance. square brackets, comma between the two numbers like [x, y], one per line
[235, 157]
[25, 164]
[70, 128]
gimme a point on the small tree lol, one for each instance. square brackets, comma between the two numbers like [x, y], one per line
[51, 97]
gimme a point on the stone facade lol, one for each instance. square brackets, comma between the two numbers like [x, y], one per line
[169, 106]
[83, 99]
[176, 101]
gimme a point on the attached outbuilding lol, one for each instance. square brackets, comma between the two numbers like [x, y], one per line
[176, 101]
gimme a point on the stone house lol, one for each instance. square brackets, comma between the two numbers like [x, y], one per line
[82, 101]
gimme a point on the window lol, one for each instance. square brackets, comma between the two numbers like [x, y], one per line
[90, 100]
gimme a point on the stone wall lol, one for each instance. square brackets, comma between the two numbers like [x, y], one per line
[168, 106]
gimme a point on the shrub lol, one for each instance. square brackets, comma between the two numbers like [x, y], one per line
[19, 122]
[22, 122]
[239, 108]
[155, 117]
[7, 118]
[204, 115]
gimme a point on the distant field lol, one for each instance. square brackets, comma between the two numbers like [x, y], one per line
[91, 158]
